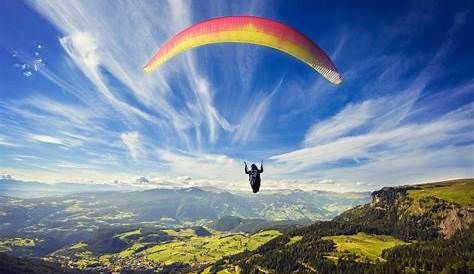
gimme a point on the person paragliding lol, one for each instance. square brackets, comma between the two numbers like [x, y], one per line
[248, 30]
[254, 176]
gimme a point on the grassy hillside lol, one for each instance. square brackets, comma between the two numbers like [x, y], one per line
[207, 249]
[366, 247]
[457, 191]
[8, 244]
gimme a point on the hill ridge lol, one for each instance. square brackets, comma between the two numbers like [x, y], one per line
[419, 227]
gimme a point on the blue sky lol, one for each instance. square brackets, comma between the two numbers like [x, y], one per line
[75, 105]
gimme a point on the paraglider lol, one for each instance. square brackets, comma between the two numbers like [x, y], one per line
[249, 30]
[254, 176]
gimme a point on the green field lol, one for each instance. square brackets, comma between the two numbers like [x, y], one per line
[128, 234]
[368, 247]
[75, 256]
[85, 259]
[78, 245]
[294, 240]
[9, 244]
[207, 270]
[207, 249]
[130, 251]
[457, 191]
[181, 233]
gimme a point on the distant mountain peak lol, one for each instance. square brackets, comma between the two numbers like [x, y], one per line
[194, 189]
[5, 176]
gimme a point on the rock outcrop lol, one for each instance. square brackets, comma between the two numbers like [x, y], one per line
[448, 217]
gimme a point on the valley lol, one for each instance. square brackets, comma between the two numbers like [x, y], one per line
[185, 231]
[190, 248]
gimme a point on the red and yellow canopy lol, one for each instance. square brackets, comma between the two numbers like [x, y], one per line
[250, 30]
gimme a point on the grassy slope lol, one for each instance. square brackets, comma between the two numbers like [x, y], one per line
[9, 244]
[76, 256]
[207, 249]
[368, 246]
[457, 191]
[294, 240]
[78, 245]
[128, 234]
[130, 251]
[186, 232]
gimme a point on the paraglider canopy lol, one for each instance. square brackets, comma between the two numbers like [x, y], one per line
[250, 30]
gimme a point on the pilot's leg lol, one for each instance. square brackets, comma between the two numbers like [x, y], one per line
[256, 187]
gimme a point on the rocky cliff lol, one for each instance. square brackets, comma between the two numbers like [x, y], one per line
[448, 204]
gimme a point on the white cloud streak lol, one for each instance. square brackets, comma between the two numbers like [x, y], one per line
[46, 139]
[202, 165]
[254, 116]
[133, 144]
[400, 139]
[375, 141]
[5, 142]
[351, 118]
[92, 41]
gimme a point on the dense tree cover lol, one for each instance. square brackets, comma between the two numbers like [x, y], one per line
[237, 224]
[175, 268]
[455, 255]
[390, 213]
[13, 265]
[201, 231]
[390, 221]
[103, 241]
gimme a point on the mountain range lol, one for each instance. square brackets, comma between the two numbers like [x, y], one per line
[72, 214]
[407, 229]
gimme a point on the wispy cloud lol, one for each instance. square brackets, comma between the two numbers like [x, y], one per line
[349, 119]
[73, 124]
[46, 139]
[92, 42]
[373, 144]
[83, 49]
[381, 140]
[57, 114]
[254, 116]
[5, 142]
[132, 142]
[202, 165]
